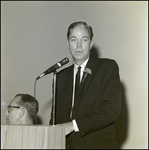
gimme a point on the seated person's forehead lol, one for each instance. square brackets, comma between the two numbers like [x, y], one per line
[15, 100]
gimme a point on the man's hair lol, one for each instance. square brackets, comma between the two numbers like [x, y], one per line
[81, 24]
[29, 103]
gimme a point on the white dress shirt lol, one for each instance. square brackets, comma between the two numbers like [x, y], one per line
[76, 129]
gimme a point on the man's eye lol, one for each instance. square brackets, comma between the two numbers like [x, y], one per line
[85, 40]
[72, 40]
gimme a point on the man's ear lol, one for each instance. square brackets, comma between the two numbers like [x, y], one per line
[68, 42]
[22, 112]
[91, 44]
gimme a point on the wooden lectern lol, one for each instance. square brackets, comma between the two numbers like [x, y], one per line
[32, 137]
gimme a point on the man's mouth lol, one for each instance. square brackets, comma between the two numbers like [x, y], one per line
[78, 51]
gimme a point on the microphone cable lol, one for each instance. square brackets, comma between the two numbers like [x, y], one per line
[35, 98]
[35, 88]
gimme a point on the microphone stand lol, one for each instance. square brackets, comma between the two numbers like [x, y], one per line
[54, 87]
[53, 100]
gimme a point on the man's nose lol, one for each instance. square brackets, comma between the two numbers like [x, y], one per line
[79, 43]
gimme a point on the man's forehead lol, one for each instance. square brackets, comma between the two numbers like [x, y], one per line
[78, 28]
[79, 31]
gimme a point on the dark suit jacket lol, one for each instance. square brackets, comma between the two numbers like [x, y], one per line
[97, 105]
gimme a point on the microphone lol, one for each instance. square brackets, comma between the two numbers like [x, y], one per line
[54, 67]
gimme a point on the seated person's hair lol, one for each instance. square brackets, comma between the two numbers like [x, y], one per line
[30, 104]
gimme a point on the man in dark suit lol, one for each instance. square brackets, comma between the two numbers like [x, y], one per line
[89, 111]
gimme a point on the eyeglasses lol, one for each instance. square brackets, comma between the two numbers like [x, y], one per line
[9, 107]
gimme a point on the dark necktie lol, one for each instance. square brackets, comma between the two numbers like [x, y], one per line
[77, 79]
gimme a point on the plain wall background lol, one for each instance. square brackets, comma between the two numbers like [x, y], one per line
[33, 38]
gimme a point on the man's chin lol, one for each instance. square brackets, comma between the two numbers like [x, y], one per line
[78, 57]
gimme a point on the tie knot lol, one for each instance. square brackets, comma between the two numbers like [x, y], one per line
[79, 68]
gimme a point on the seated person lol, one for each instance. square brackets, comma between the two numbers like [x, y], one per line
[22, 109]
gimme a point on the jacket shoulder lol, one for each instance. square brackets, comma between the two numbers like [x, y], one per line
[65, 70]
[107, 61]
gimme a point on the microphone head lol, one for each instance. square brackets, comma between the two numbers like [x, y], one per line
[64, 61]
[53, 68]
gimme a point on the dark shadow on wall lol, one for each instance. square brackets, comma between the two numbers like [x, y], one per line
[122, 121]
[94, 52]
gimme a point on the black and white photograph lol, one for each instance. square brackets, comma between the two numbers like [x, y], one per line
[74, 74]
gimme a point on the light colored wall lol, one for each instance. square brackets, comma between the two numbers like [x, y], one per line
[33, 38]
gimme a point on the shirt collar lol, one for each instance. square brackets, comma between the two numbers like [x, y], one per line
[82, 66]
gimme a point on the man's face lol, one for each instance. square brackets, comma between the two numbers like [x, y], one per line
[79, 44]
[13, 114]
